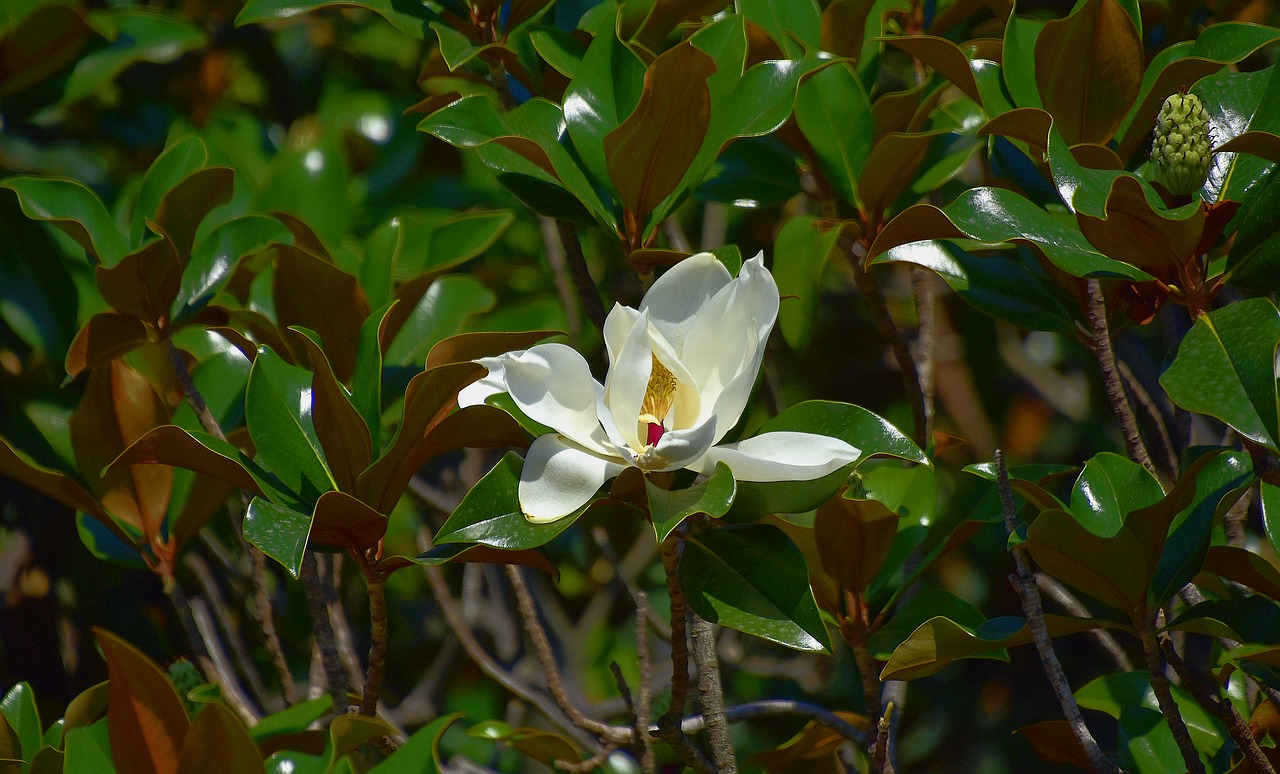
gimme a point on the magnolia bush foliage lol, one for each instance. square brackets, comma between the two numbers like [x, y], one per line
[391, 373]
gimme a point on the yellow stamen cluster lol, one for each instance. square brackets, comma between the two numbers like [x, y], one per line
[659, 395]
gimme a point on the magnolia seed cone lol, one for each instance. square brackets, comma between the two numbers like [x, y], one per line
[1181, 152]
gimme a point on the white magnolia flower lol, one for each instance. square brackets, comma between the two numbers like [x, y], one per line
[681, 369]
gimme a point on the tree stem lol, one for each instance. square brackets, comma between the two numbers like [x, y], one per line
[322, 628]
[375, 581]
[587, 291]
[711, 693]
[1025, 583]
[1111, 376]
[670, 725]
[1168, 707]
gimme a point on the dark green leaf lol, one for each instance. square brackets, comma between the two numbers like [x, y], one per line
[669, 509]
[136, 35]
[800, 254]
[752, 578]
[1109, 488]
[278, 409]
[1225, 367]
[834, 113]
[490, 513]
[75, 209]
[410, 18]
[279, 532]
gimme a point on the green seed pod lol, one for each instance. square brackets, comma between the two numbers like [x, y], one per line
[1180, 152]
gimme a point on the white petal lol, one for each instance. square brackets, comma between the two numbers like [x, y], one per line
[678, 297]
[494, 383]
[558, 478]
[725, 346]
[780, 456]
[617, 326]
[678, 449]
[628, 378]
[552, 384]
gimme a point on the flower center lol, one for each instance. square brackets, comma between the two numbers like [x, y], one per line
[658, 397]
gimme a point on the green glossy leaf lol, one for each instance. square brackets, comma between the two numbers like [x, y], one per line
[868, 432]
[800, 254]
[1225, 367]
[1018, 63]
[421, 753]
[366, 380]
[1121, 693]
[278, 531]
[341, 431]
[752, 578]
[606, 91]
[939, 641]
[278, 409]
[1218, 485]
[292, 719]
[294, 173]
[669, 508]
[995, 215]
[1109, 487]
[146, 720]
[560, 50]
[19, 709]
[183, 157]
[40, 302]
[441, 312]
[74, 209]
[490, 514]
[410, 18]
[1006, 288]
[834, 113]
[795, 25]
[217, 254]
[88, 750]
[136, 35]
[1238, 102]
[85, 709]
[1254, 261]
[1269, 496]
[907, 617]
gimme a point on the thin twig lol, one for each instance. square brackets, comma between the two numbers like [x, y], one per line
[261, 604]
[594, 763]
[711, 693]
[542, 649]
[209, 585]
[486, 663]
[1101, 336]
[587, 291]
[1169, 455]
[322, 629]
[1169, 707]
[888, 330]
[1025, 584]
[769, 708]
[644, 699]
[880, 762]
[670, 726]
[560, 274]
[231, 690]
[1050, 585]
[923, 283]
[1208, 698]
